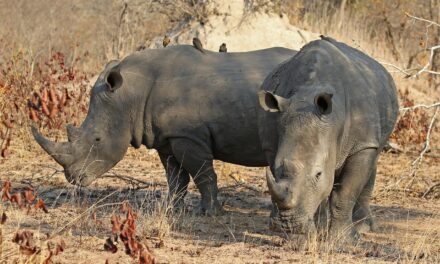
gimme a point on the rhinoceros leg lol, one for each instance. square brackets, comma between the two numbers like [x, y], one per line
[197, 160]
[321, 216]
[362, 216]
[353, 178]
[177, 178]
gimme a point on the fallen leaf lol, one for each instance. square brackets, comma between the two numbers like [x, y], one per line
[41, 205]
[48, 260]
[44, 95]
[6, 191]
[8, 123]
[96, 220]
[29, 195]
[110, 246]
[18, 199]
[161, 244]
[60, 247]
[53, 96]
[44, 108]
[116, 224]
[145, 256]
[4, 218]
[5, 152]
[33, 115]
[25, 239]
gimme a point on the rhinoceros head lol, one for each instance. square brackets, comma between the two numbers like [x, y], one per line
[303, 168]
[103, 137]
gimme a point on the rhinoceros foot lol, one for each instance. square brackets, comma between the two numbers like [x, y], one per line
[343, 234]
[211, 209]
[366, 225]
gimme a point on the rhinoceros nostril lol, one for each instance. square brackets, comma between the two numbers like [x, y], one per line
[97, 139]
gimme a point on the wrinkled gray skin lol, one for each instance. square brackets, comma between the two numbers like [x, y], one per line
[191, 107]
[335, 109]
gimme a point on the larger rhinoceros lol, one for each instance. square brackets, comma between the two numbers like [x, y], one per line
[335, 109]
[192, 107]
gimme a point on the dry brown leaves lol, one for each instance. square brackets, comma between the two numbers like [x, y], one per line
[25, 239]
[27, 245]
[412, 126]
[51, 94]
[4, 218]
[41, 205]
[6, 191]
[23, 199]
[125, 231]
[54, 251]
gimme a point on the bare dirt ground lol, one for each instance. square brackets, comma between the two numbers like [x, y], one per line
[408, 225]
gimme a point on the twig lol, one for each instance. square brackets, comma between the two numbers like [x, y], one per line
[138, 184]
[422, 19]
[431, 57]
[392, 147]
[410, 108]
[420, 106]
[246, 185]
[416, 163]
[430, 189]
[405, 72]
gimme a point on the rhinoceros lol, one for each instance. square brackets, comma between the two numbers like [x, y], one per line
[192, 107]
[335, 108]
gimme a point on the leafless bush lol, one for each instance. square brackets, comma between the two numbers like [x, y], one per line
[49, 94]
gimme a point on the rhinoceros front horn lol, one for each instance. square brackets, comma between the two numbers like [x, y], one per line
[275, 189]
[61, 152]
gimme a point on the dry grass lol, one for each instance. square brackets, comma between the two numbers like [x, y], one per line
[408, 224]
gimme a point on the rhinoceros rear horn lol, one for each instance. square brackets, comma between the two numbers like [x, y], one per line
[61, 152]
[73, 133]
[113, 78]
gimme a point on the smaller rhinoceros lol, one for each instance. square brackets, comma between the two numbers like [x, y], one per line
[192, 107]
[335, 108]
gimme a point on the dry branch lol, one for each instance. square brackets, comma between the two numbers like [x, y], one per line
[246, 185]
[429, 63]
[412, 73]
[416, 163]
[430, 189]
[430, 22]
[136, 183]
[419, 106]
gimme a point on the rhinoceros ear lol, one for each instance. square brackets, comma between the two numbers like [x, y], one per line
[113, 79]
[271, 102]
[323, 102]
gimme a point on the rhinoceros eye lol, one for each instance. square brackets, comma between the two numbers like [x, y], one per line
[318, 175]
[97, 139]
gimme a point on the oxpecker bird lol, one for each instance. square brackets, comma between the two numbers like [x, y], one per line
[166, 40]
[223, 48]
[198, 45]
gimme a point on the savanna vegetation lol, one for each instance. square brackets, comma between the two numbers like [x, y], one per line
[50, 53]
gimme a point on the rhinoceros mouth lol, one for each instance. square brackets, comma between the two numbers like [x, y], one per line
[78, 178]
[288, 221]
